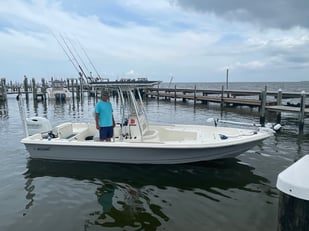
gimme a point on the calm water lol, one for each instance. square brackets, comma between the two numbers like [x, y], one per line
[234, 194]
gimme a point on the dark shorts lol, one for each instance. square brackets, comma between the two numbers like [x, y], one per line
[106, 132]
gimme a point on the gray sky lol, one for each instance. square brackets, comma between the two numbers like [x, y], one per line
[283, 14]
[189, 40]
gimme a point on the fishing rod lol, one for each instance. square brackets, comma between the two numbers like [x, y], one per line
[89, 59]
[80, 58]
[82, 73]
[69, 57]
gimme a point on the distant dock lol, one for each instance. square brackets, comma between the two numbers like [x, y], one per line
[264, 100]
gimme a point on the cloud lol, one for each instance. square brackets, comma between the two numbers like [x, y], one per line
[249, 65]
[150, 39]
[276, 13]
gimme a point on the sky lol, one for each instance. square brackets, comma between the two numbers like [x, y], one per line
[166, 40]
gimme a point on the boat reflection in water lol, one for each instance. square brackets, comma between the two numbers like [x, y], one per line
[140, 196]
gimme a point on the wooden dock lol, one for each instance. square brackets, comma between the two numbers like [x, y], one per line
[264, 100]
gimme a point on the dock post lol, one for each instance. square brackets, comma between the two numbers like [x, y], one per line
[81, 88]
[26, 87]
[194, 95]
[263, 106]
[43, 88]
[77, 89]
[158, 95]
[72, 86]
[175, 95]
[302, 111]
[222, 96]
[227, 82]
[34, 90]
[3, 93]
[279, 102]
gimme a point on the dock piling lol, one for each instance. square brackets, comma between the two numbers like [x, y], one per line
[222, 97]
[302, 111]
[263, 106]
[279, 102]
[34, 90]
[175, 96]
[26, 87]
[194, 95]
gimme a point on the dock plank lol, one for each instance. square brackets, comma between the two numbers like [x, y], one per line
[282, 108]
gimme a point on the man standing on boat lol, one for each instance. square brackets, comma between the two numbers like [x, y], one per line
[104, 118]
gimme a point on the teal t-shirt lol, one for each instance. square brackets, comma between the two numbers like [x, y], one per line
[105, 111]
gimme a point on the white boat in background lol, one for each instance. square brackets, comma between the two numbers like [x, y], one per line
[136, 141]
[58, 91]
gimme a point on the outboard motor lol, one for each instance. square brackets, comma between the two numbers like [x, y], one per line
[38, 125]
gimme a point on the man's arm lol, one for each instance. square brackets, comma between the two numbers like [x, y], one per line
[97, 120]
[114, 124]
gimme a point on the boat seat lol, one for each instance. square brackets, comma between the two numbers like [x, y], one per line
[65, 131]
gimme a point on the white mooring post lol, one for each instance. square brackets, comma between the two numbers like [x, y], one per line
[293, 184]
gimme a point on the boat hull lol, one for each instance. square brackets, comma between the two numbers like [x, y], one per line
[135, 154]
